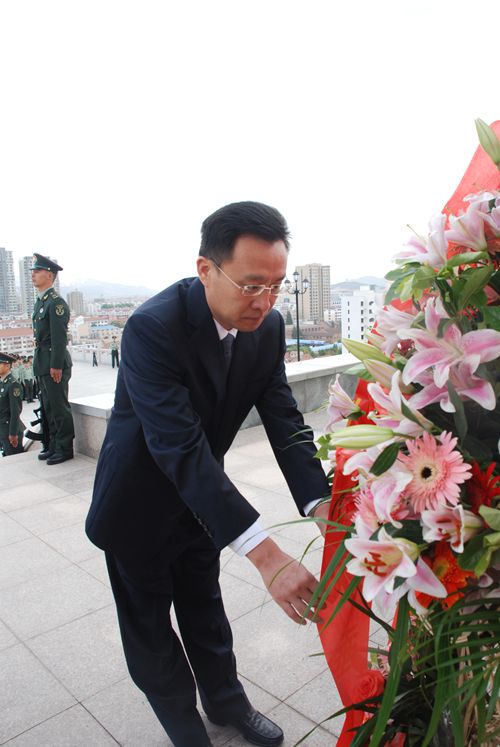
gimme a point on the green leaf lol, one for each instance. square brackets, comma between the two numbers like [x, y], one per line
[465, 258]
[408, 413]
[475, 282]
[491, 316]
[398, 657]
[424, 277]
[403, 271]
[386, 459]
[492, 540]
[491, 517]
[473, 552]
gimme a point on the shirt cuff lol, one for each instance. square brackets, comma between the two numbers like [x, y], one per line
[250, 538]
[311, 506]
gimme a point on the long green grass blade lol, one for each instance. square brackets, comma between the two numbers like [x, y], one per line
[398, 657]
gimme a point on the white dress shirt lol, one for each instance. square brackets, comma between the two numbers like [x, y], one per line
[255, 534]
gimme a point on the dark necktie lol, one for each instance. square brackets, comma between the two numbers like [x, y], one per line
[227, 348]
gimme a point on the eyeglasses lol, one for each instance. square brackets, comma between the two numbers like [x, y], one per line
[254, 290]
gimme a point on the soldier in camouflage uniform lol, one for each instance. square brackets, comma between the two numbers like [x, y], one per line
[11, 404]
[52, 361]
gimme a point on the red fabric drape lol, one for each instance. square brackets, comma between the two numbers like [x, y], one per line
[345, 640]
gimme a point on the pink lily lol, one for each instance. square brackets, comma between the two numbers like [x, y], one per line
[453, 348]
[381, 561]
[389, 321]
[454, 524]
[387, 491]
[468, 229]
[431, 251]
[391, 404]
[493, 219]
[424, 581]
[481, 200]
[465, 383]
[340, 405]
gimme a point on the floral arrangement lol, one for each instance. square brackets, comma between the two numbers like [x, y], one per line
[415, 527]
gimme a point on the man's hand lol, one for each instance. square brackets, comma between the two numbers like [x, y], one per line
[321, 512]
[56, 375]
[14, 440]
[289, 583]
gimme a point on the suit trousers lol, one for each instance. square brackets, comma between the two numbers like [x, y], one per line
[158, 663]
[58, 412]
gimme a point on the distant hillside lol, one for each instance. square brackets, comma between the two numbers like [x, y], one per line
[356, 282]
[92, 289]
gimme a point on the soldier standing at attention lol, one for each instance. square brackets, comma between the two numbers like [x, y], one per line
[52, 361]
[115, 358]
[11, 404]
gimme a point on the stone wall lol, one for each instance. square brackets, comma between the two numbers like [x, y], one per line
[308, 379]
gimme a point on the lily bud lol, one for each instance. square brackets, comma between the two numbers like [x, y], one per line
[489, 141]
[363, 351]
[360, 436]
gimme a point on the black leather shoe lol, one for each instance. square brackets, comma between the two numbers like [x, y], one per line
[255, 728]
[45, 454]
[58, 458]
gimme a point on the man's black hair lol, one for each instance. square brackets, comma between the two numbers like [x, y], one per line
[221, 230]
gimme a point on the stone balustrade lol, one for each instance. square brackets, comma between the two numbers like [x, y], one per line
[308, 379]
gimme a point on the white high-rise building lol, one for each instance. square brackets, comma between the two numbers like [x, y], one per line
[75, 302]
[8, 296]
[314, 302]
[358, 313]
[28, 292]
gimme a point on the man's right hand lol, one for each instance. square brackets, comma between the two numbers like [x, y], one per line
[290, 584]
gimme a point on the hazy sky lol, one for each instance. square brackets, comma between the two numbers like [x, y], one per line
[123, 123]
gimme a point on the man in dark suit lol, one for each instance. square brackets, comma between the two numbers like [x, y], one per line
[163, 507]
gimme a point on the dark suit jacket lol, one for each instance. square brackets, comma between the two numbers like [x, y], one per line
[160, 478]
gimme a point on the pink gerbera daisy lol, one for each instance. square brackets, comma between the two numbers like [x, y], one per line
[438, 471]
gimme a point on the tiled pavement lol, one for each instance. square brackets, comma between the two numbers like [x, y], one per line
[63, 677]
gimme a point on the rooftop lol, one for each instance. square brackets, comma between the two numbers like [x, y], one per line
[60, 652]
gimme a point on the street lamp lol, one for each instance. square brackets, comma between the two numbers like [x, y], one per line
[297, 292]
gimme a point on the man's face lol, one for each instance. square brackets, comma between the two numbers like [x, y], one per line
[42, 279]
[4, 369]
[254, 261]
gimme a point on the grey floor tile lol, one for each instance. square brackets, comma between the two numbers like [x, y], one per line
[72, 542]
[42, 604]
[75, 480]
[28, 559]
[124, 712]
[28, 494]
[263, 475]
[297, 726]
[7, 637]
[51, 514]
[13, 473]
[11, 531]
[240, 597]
[32, 696]
[318, 700]
[85, 655]
[275, 653]
[74, 727]
[96, 567]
